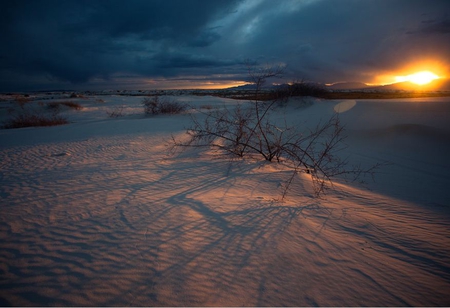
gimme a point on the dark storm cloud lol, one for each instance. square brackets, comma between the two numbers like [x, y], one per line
[175, 63]
[324, 40]
[76, 40]
[205, 38]
[342, 40]
[181, 60]
[433, 27]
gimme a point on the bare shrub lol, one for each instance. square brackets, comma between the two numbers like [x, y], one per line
[248, 130]
[21, 100]
[71, 105]
[54, 106]
[27, 120]
[157, 105]
[76, 95]
[207, 107]
[116, 112]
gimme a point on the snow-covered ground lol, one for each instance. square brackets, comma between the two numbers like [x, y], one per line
[99, 212]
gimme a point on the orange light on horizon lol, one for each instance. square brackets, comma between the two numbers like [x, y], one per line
[167, 84]
[220, 85]
[419, 78]
[420, 73]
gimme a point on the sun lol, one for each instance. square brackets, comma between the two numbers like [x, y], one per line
[419, 78]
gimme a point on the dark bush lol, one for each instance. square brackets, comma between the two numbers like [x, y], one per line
[249, 131]
[300, 89]
[157, 105]
[116, 112]
[27, 120]
[56, 105]
[26, 115]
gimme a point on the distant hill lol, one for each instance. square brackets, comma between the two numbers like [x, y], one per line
[399, 86]
[269, 86]
[348, 86]
[249, 86]
[442, 84]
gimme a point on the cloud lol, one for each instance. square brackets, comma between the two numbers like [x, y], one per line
[177, 63]
[77, 41]
[205, 38]
[433, 27]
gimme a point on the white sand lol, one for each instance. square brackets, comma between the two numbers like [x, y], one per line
[98, 212]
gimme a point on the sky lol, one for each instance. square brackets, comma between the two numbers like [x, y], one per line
[161, 44]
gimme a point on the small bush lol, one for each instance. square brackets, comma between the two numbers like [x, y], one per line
[72, 105]
[156, 105]
[21, 100]
[207, 107]
[56, 105]
[116, 112]
[77, 95]
[27, 116]
[28, 120]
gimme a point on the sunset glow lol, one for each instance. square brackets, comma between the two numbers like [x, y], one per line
[419, 78]
[416, 74]
[213, 44]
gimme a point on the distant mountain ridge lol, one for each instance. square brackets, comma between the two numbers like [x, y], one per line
[442, 84]
[348, 86]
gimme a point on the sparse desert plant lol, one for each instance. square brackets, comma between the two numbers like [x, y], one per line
[116, 112]
[207, 107]
[77, 95]
[157, 105]
[72, 105]
[53, 106]
[248, 130]
[21, 100]
[57, 105]
[27, 120]
[26, 116]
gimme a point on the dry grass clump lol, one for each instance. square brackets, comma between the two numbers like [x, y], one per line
[26, 114]
[77, 95]
[29, 120]
[71, 105]
[21, 100]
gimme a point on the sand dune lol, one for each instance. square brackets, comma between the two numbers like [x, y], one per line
[101, 213]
